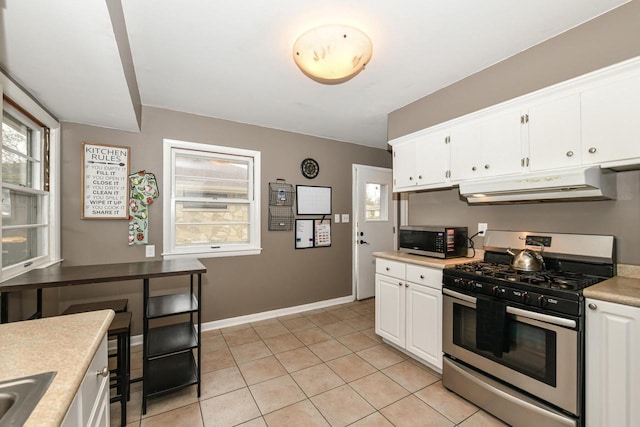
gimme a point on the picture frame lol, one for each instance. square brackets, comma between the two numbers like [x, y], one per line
[105, 181]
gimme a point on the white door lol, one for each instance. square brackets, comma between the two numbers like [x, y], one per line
[374, 224]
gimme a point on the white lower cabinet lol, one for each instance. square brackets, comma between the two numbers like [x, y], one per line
[409, 308]
[612, 370]
[90, 406]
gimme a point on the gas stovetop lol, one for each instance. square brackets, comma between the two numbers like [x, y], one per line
[572, 262]
[550, 279]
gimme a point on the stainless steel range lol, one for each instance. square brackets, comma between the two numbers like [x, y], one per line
[514, 340]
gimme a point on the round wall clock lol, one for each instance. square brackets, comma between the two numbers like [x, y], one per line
[309, 168]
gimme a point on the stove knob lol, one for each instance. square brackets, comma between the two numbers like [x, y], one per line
[471, 285]
[526, 298]
[459, 282]
[495, 291]
[541, 301]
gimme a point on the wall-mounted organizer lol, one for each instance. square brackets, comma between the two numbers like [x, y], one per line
[281, 199]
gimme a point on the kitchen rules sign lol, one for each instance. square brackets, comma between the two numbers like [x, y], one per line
[105, 181]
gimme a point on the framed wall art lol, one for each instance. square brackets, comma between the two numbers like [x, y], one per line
[105, 181]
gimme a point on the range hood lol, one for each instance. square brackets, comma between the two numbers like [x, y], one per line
[588, 183]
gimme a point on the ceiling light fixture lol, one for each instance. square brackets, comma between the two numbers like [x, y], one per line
[332, 54]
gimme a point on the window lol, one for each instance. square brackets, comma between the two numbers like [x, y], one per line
[211, 200]
[28, 238]
[376, 202]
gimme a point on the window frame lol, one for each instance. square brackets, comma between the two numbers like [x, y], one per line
[170, 250]
[22, 102]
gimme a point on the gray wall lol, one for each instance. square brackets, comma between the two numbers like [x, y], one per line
[280, 277]
[606, 40]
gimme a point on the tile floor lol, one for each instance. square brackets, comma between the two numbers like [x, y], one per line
[324, 367]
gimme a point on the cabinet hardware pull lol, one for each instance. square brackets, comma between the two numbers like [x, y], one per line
[569, 153]
[592, 150]
[473, 168]
[522, 162]
[387, 269]
[104, 372]
[399, 283]
[422, 276]
[527, 162]
[406, 285]
[410, 178]
[486, 166]
[419, 176]
[592, 306]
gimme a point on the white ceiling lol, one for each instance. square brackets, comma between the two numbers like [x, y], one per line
[232, 59]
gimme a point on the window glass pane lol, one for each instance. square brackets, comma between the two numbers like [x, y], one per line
[21, 245]
[211, 178]
[376, 202]
[211, 234]
[16, 135]
[207, 212]
[20, 209]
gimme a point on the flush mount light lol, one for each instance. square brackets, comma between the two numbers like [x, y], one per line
[332, 54]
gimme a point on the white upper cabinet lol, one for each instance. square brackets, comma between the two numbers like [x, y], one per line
[610, 123]
[589, 120]
[490, 145]
[554, 134]
[421, 161]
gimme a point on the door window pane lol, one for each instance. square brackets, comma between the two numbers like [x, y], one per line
[376, 202]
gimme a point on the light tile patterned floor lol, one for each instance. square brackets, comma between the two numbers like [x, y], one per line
[325, 367]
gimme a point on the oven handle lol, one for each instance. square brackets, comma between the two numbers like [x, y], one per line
[560, 321]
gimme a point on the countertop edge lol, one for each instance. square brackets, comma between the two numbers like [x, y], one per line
[619, 289]
[425, 261]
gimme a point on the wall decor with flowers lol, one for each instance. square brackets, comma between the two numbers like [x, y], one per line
[143, 189]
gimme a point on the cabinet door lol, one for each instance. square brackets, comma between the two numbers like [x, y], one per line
[432, 158]
[101, 415]
[404, 166]
[488, 146]
[390, 312]
[554, 134]
[424, 323]
[93, 384]
[612, 373]
[610, 129]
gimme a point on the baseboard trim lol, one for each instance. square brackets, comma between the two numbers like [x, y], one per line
[256, 317]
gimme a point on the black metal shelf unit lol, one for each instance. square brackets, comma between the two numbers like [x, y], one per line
[169, 363]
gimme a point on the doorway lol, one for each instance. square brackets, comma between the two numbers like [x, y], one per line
[374, 224]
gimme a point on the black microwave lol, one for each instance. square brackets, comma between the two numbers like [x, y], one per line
[434, 241]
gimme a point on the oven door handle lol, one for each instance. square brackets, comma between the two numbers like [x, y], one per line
[560, 321]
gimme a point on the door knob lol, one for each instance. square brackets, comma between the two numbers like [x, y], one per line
[362, 242]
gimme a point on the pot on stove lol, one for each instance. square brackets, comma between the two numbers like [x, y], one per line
[527, 259]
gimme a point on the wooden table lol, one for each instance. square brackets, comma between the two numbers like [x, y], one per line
[57, 276]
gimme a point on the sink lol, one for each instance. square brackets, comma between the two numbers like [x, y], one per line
[19, 396]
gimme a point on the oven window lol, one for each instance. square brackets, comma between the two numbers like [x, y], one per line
[532, 350]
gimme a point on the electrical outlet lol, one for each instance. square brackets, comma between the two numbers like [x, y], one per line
[150, 251]
[482, 227]
[336, 218]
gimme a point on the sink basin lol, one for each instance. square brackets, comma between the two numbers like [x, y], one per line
[19, 396]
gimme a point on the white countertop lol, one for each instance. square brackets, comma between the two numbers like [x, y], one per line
[65, 344]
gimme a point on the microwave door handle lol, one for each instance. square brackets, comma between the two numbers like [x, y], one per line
[560, 321]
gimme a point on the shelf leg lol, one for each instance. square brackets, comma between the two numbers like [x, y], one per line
[199, 326]
[145, 330]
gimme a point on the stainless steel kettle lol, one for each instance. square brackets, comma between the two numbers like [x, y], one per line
[527, 259]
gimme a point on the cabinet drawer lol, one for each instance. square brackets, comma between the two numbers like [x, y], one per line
[427, 276]
[390, 268]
